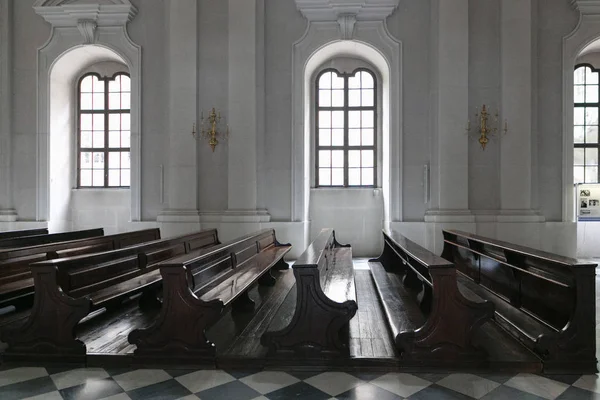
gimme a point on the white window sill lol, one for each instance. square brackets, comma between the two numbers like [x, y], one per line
[101, 190]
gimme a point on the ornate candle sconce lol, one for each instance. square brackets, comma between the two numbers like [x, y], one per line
[486, 129]
[211, 132]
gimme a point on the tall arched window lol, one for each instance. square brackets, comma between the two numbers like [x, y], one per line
[103, 142]
[587, 103]
[346, 129]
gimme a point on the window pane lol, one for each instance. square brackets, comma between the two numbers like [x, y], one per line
[125, 159]
[98, 177]
[125, 83]
[591, 134]
[98, 161]
[578, 174]
[591, 174]
[579, 94]
[325, 177]
[125, 139]
[337, 119]
[578, 156]
[114, 160]
[86, 177]
[114, 122]
[114, 101]
[86, 140]
[125, 101]
[368, 119]
[591, 116]
[85, 122]
[125, 121]
[337, 99]
[98, 139]
[354, 137]
[367, 98]
[354, 159]
[354, 82]
[337, 176]
[591, 156]
[86, 160]
[579, 116]
[591, 94]
[367, 177]
[98, 122]
[367, 80]
[337, 158]
[354, 98]
[368, 137]
[86, 84]
[354, 177]
[337, 82]
[337, 137]
[590, 77]
[86, 101]
[353, 119]
[325, 80]
[324, 119]
[114, 86]
[324, 98]
[125, 177]
[98, 85]
[367, 158]
[114, 139]
[324, 137]
[98, 101]
[579, 134]
[114, 177]
[324, 158]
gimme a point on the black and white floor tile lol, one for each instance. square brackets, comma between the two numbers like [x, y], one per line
[158, 384]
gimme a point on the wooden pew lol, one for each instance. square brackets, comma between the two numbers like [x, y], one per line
[428, 316]
[36, 240]
[22, 233]
[325, 303]
[16, 283]
[198, 288]
[67, 290]
[546, 301]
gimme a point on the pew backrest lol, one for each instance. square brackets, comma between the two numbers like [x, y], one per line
[23, 233]
[41, 239]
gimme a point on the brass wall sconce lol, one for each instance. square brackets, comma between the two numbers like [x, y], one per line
[208, 129]
[486, 128]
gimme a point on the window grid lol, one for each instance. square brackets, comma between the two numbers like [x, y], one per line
[585, 131]
[342, 157]
[104, 135]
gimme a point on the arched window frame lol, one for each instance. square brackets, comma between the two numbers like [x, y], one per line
[106, 149]
[588, 150]
[346, 108]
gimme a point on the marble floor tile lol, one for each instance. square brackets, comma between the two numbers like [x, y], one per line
[537, 385]
[16, 375]
[269, 381]
[120, 396]
[574, 393]
[300, 390]
[46, 396]
[232, 390]
[167, 390]
[190, 397]
[140, 378]
[508, 393]
[367, 391]
[334, 383]
[92, 389]
[77, 377]
[588, 382]
[202, 380]
[436, 392]
[468, 384]
[30, 388]
[401, 384]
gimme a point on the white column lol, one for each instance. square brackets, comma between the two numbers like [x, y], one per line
[181, 172]
[7, 213]
[516, 91]
[450, 155]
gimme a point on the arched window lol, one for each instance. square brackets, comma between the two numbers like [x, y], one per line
[346, 129]
[587, 103]
[103, 142]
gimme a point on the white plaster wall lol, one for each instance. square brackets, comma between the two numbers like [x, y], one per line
[106, 208]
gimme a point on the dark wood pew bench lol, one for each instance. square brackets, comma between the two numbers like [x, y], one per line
[67, 290]
[325, 303]
[429, 318]
[22, 233]
[198, 288]
[44, 238]
[546, 301]
[16, 283]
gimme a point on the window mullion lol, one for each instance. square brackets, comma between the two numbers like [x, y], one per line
[346, 131]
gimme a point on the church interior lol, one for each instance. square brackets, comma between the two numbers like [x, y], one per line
[299, 199]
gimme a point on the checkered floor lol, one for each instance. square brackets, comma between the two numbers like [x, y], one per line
[97, 383]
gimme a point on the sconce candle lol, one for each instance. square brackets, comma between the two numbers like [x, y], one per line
[211, 132]
[485, 130]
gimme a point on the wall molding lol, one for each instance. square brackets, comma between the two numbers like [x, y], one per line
[331, 10]
[587, 7]
[111, 17]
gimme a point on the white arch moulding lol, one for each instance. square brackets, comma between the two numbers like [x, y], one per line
[75, 25]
